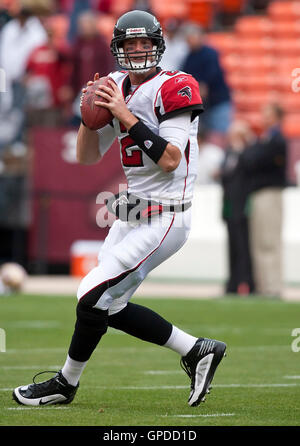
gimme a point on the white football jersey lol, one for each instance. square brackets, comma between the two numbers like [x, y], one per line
[164, 95]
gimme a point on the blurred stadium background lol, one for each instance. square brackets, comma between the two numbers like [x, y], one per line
[48, 202]
[49, 208]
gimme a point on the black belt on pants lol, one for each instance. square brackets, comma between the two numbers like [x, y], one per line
[129, 207]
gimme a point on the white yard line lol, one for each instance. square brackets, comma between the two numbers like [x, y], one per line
[187, 387]
[148, 349]
[37, 408]
[29, 367]
[34, 350]
[163, 372]
[292, 376]
[201, 415]
[266, 385]
[256, 385]
[32, 324]
[65, 350]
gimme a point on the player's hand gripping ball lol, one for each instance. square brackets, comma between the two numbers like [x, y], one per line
[94, 116]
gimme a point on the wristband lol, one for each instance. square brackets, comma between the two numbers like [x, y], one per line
[153, 145]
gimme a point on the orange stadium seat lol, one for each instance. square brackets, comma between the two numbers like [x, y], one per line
[253, 83]
[288, 75]
[284, 10]
[255, 46]
[224, 42]
[258, 65]
[232, 6]
[287, 29]
[202, 11]
[253, 101]
[254, 26]
[288, 63]
[287, 47]
[291, 103]
[169, 8]
[285, 81]
[288, 71]
[291, 126]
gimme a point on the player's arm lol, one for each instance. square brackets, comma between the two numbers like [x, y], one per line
[160, 148]
[170, 158]
[87, 147]
[93, 144]
[164, 153]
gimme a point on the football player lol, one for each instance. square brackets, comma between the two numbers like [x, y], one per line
[155, 120]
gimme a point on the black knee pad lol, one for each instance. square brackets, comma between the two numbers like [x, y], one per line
[91, 319]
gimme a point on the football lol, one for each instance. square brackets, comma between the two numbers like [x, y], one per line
[13, 276]
[94, 116]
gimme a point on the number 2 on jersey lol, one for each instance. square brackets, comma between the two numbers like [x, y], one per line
[131, 157]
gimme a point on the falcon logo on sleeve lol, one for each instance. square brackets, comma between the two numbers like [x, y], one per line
[186, 91]
[178, 93]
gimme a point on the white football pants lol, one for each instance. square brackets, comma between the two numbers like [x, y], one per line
[130, 251]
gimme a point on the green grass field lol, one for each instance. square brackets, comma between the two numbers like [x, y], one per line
[132, 383]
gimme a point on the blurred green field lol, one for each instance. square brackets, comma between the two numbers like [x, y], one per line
[132, 383]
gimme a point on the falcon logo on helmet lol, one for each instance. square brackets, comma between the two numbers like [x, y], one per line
[137, 24]
[186, 91]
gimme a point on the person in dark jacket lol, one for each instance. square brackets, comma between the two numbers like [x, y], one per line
[203, 62]
[265, 164]
[235, 211]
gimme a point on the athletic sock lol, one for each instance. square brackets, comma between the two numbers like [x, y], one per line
[72, 370]
[180, 341]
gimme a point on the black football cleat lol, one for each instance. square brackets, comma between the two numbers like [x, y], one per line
[200, 365]
[54, 391]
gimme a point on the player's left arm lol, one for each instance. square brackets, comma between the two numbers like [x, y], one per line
[180, 103]
[164, 153]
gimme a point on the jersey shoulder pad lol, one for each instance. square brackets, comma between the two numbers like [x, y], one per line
[118, 76]
[178, 93]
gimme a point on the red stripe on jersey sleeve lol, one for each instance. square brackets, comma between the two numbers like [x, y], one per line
[180, 91]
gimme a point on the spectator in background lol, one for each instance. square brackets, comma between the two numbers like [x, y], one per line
[5, 16]
[91, 53]
[78, 8]
[203, 63]
[48, 78]
[104, 6]
[258, 6]
[235, 210]
[19, 37]
[265, 163]
[211, 158]
[176, 45]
